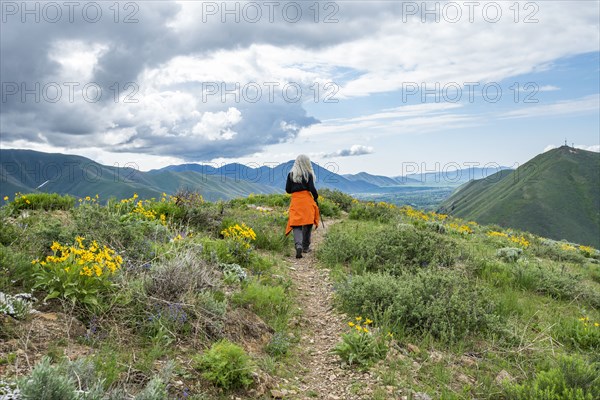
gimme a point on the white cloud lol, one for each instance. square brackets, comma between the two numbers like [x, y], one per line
[582, 105]
[217, 126]
[355, 150]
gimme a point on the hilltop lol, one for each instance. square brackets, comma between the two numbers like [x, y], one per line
[556, 194]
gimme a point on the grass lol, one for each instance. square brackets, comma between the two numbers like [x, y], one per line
[534, 304]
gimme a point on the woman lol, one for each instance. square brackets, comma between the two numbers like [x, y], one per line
[304, 210]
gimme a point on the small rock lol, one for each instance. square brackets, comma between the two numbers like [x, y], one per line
[333, 397]
[48, 316]
[413, 348]
[421, 396]
[465, 379]
[276, 394]
[503, 376]
[468, 361]
[436, 356]
[332, 377]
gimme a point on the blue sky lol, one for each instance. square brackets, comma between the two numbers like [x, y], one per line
[176, 59]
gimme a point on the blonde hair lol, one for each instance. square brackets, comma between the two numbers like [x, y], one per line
[302, 169]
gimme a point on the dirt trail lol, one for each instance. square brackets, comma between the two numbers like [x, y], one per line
[320, 375]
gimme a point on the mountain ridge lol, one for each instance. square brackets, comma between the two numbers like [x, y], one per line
[556, 194]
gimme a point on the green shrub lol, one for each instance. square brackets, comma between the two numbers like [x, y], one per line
[441, 303]
[328, 208]
[380, 212]
[362, 345]
[78, 273]
[41, 201]
[559, 284]
[46, 383]
[342, 200]
[15, 269]
[270, 200]
[582, 333]
[509, 254]
[154, 390]
[279, 345]
[558, 251]
[132, 238]
[268, 302]
[387, 248]
[572, 379]
[226, 365]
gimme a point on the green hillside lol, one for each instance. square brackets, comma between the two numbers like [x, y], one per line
[556, 195]
[25, 170]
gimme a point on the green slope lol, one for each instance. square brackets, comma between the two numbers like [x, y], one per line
[556, 195]
[25, 170]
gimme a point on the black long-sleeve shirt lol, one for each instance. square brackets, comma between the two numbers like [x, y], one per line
[291, 186]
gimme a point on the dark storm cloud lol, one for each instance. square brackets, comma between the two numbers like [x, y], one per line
[261, 125]
[130, 48]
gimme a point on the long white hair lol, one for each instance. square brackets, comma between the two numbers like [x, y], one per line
[302, 169]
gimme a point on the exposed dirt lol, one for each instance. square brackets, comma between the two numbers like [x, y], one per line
[320, 374]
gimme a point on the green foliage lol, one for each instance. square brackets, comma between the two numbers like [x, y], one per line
[381, 212]
[572, 379]
[509, 254]
[561, 200]
[557, 283]
[582, 333]
[361, 346]
[342, 200]
[15, 268]
[328, 208]
[46, 383]
[133, 238]
[226, 365]
[269, 200]
[441, 303]
[386, 248]
[41, 201]
[268, 302]
[558, 251]
[78, 274]
[279, 345]
[154, 390]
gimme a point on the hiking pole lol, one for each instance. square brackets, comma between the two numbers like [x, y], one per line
[320, 215]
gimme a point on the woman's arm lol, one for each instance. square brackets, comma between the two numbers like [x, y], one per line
[288, 184]
[312, 188]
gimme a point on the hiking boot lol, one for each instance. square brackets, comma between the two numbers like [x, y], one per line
[306, 250]
[298, 252]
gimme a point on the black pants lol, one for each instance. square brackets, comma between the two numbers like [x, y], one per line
[302, 236]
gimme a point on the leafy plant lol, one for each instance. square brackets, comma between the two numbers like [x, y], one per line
[46, 383]
[226, 365]
[362, 345]
[77, 273]
[509, 254]
[572, 379]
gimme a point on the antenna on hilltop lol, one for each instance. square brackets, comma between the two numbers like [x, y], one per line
[566, 142]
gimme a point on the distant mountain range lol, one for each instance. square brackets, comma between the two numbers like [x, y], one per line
[555, 195]
[28, 171]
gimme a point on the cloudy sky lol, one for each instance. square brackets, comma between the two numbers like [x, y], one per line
[359, 86]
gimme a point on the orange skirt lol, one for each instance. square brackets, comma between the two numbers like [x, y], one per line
[303, 211]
